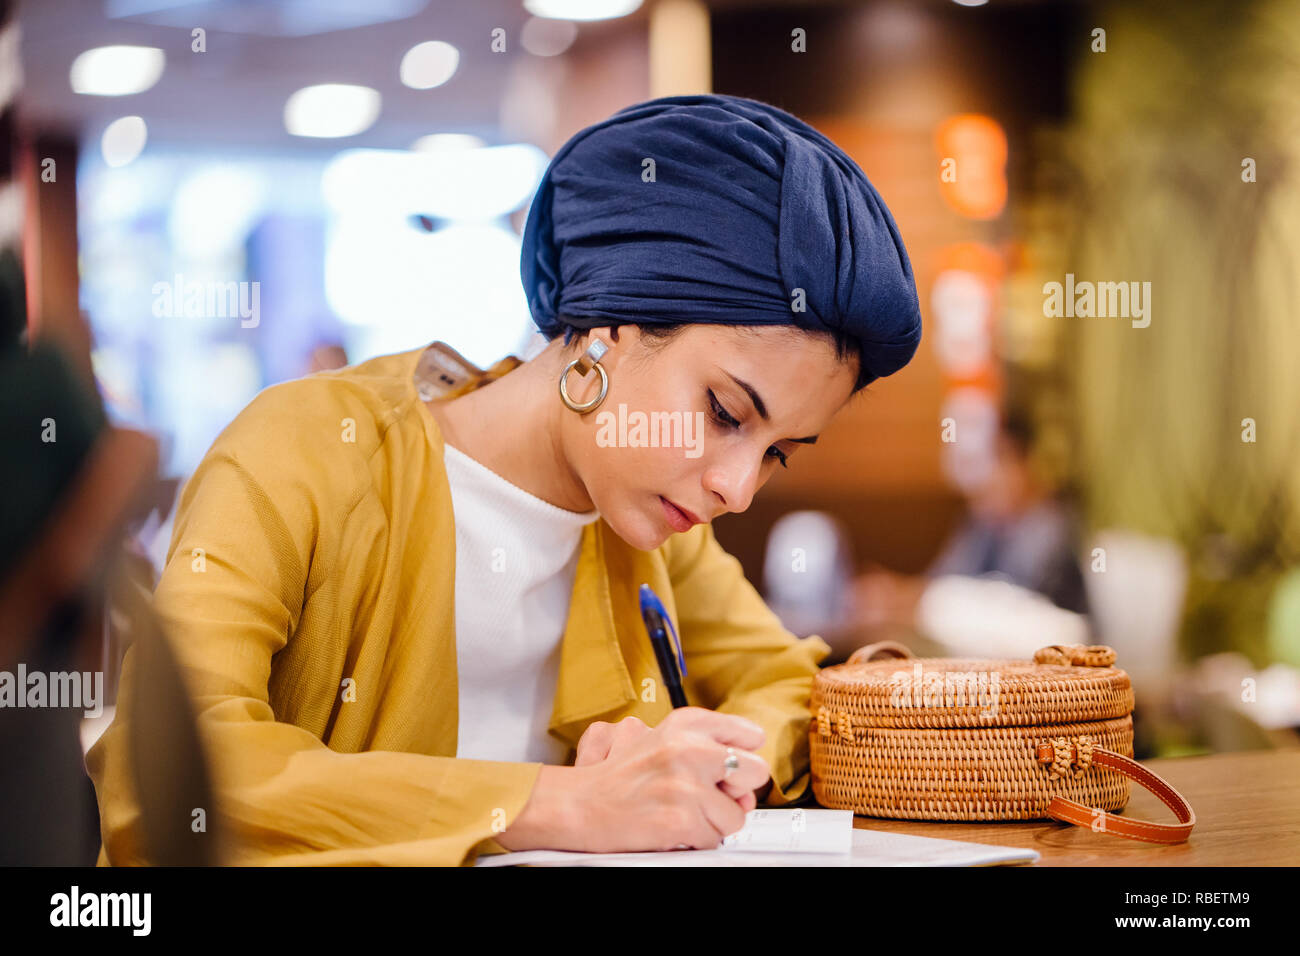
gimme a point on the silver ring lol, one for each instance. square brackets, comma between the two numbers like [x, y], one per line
[732, 763]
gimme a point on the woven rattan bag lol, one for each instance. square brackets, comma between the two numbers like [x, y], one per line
[950, 739]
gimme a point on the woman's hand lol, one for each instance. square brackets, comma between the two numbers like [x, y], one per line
[641, 788]
[602, 738]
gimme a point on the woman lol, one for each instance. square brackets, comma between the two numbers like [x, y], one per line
[405, 606]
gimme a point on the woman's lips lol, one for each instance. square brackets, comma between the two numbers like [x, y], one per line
[678, 518]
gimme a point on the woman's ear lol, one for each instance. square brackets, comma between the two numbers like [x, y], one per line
[619, 341]
[613, 334]
[615, 342]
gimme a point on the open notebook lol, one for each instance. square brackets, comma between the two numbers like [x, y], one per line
[792, 838]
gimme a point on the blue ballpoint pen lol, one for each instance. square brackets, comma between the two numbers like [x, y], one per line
[655, 617]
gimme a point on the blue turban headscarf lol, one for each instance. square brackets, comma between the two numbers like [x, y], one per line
[748, 204]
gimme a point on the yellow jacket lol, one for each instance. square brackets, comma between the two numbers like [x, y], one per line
[308, 594]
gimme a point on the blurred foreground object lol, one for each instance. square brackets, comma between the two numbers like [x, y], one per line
[50, 549]
[70, 486]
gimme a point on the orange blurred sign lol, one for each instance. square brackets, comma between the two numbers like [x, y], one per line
[972, 165]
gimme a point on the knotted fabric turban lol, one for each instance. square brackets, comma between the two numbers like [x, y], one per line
[747, 205]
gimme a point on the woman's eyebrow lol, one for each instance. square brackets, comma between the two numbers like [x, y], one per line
[762, 409]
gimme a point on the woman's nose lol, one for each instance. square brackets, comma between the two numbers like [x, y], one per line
[733, 482]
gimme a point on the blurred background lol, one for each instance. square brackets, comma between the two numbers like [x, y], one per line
[357, 174]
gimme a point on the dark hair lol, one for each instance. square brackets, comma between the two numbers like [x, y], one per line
[662, 333]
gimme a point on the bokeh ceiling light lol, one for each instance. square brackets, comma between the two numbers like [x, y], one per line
[331, 110]
[123, 140]
[581, 9]
[970, 3]
[436, 142]
[430, 64]
[542, 37]
[116, 70]
[470, 184]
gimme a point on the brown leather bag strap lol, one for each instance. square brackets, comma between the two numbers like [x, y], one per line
[868, 651]
[1071, 811]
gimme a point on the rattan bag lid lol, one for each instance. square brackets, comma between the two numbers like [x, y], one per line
[1063, 684]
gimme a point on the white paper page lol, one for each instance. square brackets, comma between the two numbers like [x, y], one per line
[793, 831]
[867, 848]
[881, 848]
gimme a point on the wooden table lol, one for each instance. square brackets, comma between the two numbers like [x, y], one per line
[1247, 809]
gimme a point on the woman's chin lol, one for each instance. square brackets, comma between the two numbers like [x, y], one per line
[640, 533]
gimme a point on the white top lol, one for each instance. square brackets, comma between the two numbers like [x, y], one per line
[516, 558]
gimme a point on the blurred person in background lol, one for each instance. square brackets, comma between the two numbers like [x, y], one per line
[1018, 530]
[405, 593]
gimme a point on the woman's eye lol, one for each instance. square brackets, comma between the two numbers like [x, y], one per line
[725, 420]
[720, 414]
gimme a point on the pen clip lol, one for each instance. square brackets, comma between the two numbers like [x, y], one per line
[649, 597]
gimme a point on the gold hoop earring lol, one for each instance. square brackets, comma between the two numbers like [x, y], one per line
[584, 363]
